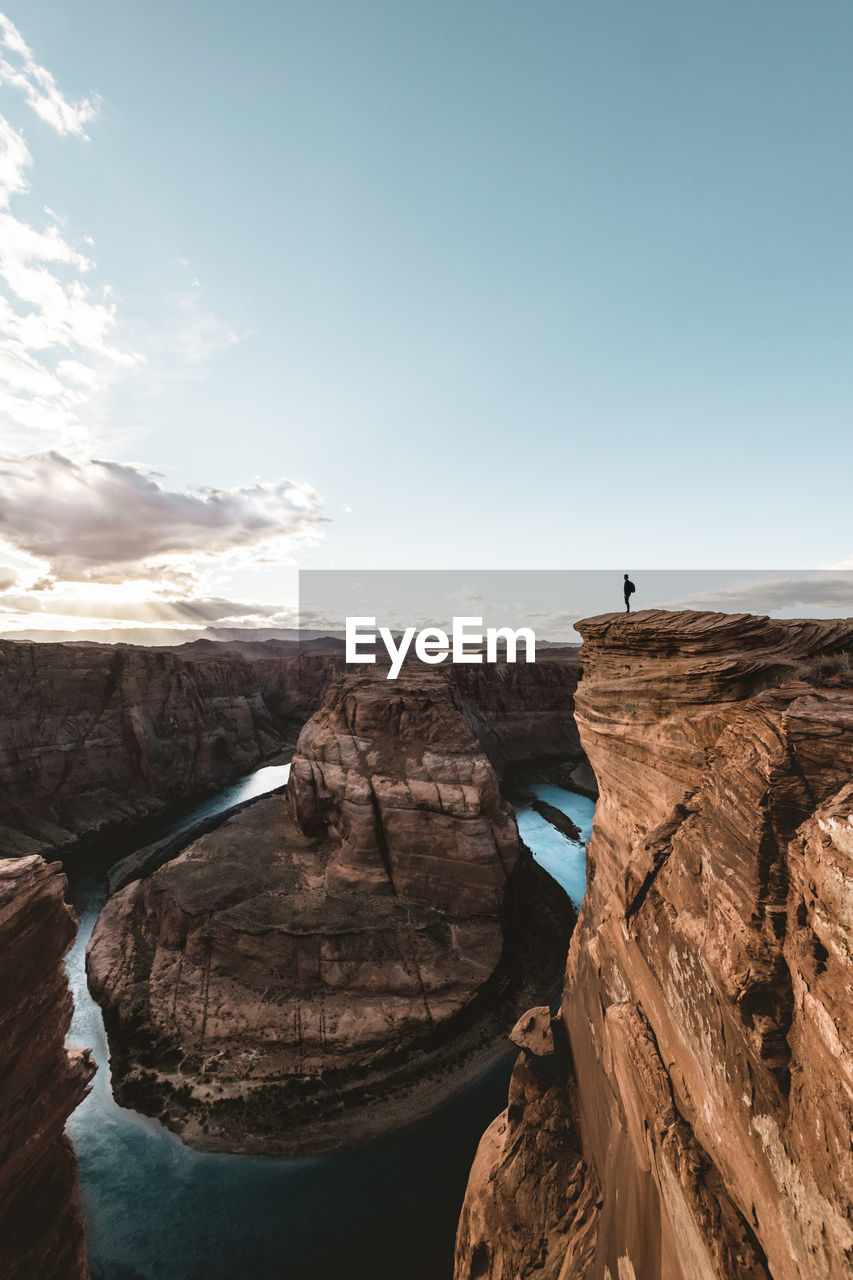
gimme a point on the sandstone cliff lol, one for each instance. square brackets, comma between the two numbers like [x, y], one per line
[322, 933]
[522, 711]
[93, 736]
[41, 1225]
[698, 1122]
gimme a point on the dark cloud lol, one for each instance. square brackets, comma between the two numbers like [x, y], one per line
[104, 521]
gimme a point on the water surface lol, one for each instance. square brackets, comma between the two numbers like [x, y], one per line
[561, 857]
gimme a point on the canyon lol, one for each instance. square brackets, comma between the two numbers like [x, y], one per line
[95, 741]
[323, 949]
[687, 1112]
[96, 738]
[294, 976]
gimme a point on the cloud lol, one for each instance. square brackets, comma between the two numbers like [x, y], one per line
[19, 69]
[823, 590]
[103, 521]
[57, 344]
[60, 344]
[195, 334]
[68, 611]
[55, 603]
[15, 158]
[98, 539]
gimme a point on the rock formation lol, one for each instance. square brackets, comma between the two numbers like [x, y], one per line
[41, 1225]
[523, 711]
[529, 1172]
[698, 1122]
[92, 736]
[322, 933]
[97, 736]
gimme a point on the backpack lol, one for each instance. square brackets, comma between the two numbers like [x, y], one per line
[629, 588]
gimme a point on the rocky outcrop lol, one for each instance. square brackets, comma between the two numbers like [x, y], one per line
[322, 935]
[41, 1225]
[708, 1092]
[396, 775]
[529, 1171]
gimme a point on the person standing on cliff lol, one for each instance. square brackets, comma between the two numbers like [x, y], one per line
[629, 591]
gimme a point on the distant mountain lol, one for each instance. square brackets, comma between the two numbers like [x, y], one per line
[254, 634]
[169, 637]
[191, 638]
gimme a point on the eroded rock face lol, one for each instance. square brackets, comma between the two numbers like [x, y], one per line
[394, 774]
[317, 931]
[93, 736]
[96, 736]
[707, 991]
[523, 711]
[529, 1170]
[41, 1225]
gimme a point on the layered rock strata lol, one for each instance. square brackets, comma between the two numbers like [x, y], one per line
[523, 711]
[93, 736]
[97, 736]
[706, 1003]
[324, 932]
[41, 1225]
[529, 1171]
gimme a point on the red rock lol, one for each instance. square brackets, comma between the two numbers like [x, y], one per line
[41, 1225]
[707, 989]
[96, 736]
[522, 711]
[316, 932]
[533, 1032]
[531, 1207]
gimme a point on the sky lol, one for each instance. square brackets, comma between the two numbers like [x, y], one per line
[385, 285]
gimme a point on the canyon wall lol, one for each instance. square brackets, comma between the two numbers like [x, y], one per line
[696, 1121]
[523, 711]
[94, 736]
[97, 736]
[41, 1225]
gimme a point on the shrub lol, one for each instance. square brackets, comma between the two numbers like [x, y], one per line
[830, 669]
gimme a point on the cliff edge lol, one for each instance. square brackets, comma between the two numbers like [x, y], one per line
[690, 1115]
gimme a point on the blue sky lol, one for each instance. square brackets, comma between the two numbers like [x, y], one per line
[491, 285]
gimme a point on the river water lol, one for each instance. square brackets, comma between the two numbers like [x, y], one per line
[158, 1210]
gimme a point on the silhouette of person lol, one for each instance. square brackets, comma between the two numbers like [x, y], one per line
[629, 591]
